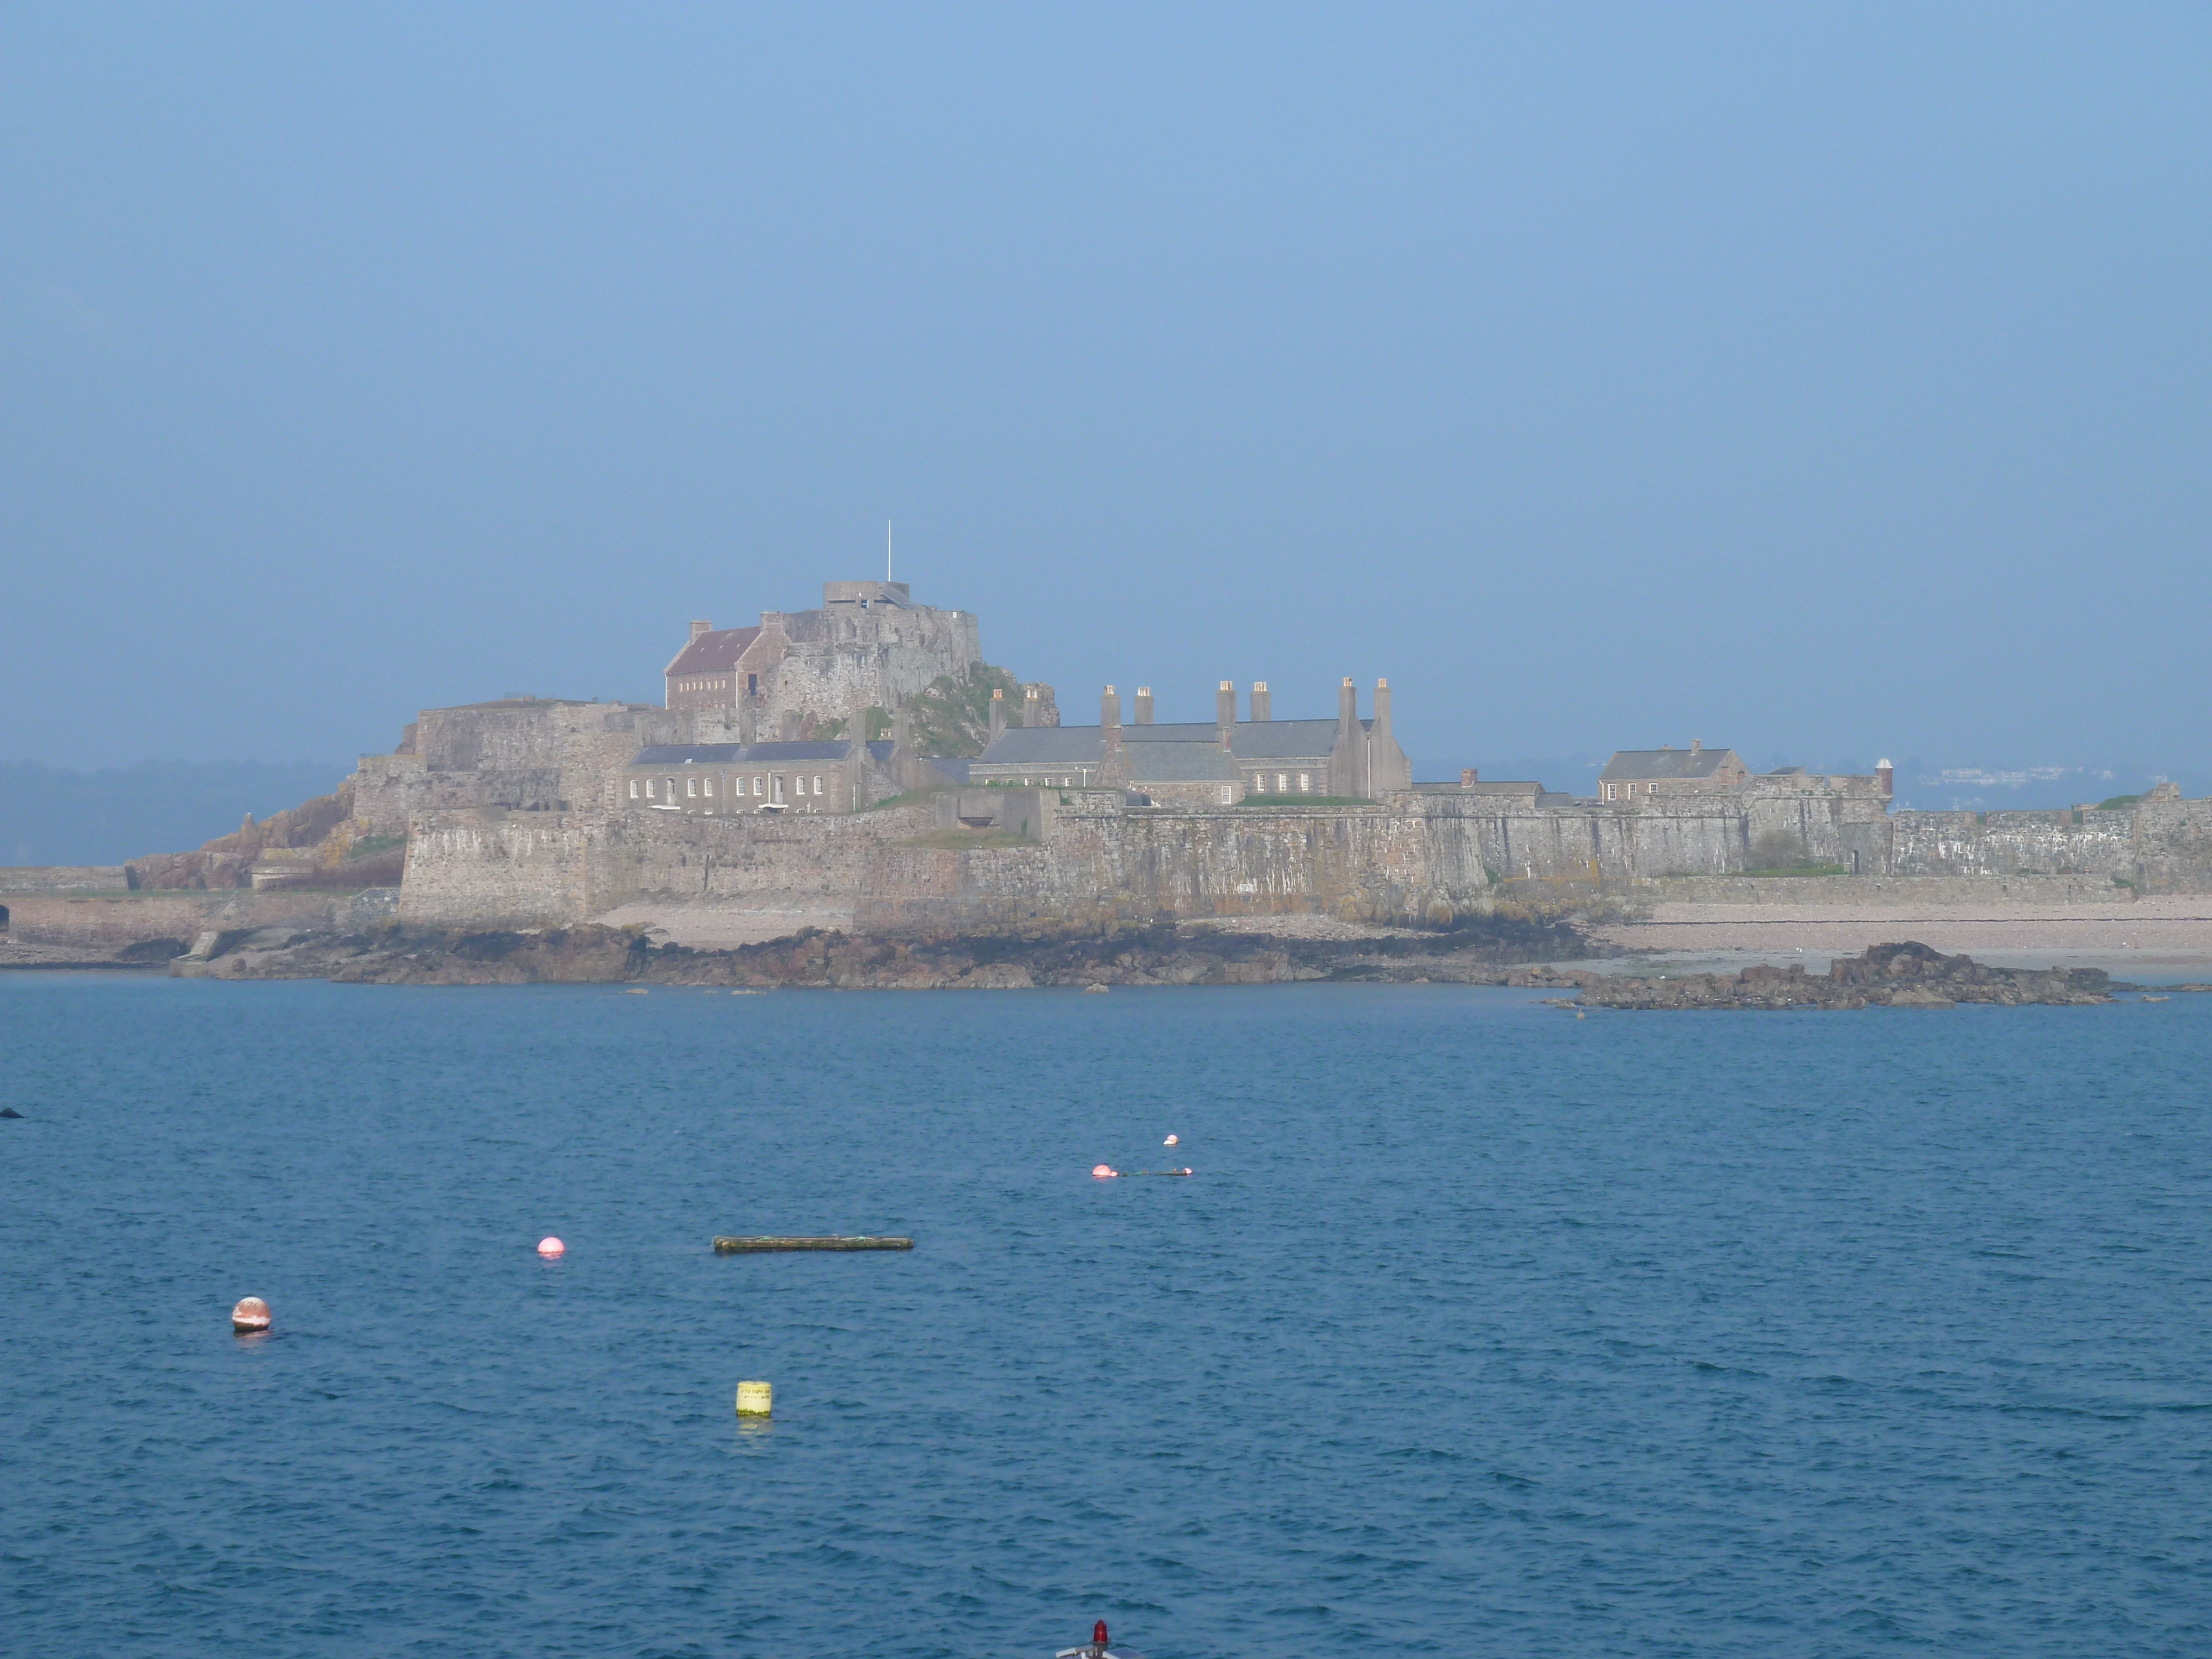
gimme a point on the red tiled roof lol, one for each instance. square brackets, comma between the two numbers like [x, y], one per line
[710, 652]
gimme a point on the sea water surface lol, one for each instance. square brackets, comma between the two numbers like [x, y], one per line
[1479, 1329]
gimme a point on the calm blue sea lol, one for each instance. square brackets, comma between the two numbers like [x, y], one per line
[1480, 1330]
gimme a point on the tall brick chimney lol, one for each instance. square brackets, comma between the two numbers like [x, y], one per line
[1387, 765]
[1887, 776]
[1110, 707]
[1224, 705]
[1347, 762]
[702, 627]
[1143, 705]
[1262, 706]
[998, 713]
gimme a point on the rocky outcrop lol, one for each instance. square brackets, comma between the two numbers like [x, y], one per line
[1905, 975]
[1493, 953]
[227, 861]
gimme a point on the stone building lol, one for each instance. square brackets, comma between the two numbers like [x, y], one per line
[868, 645]
[726, 779]
[1640, 772]
[1193, 763]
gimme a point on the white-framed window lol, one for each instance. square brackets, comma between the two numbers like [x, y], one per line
[1282, 784]
[817, 783]
[757, 786]
[1306, 783]
[632, 788]
[1612, 790]
[691, 788]
[649, 788]
[1228, 795]
[710, 788]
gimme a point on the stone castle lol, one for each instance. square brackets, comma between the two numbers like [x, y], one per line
[800, 771]
[782, 771]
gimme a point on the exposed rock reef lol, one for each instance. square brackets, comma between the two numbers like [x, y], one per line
[1492, 952]
[1905, 975]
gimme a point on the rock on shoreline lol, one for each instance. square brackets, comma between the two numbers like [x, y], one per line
[1904, 975]
[1486, 951]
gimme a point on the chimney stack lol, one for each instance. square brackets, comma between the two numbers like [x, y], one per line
[1262, 706]
[1224, 705]
[1468, 776]
[1382, 709]
[698, 627]
[998, 713]
[1696, 745]
[1032, 708]
[1143, 705]
[1886, 774]
[1110, 707]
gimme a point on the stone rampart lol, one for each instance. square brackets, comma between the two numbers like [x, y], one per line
[2060, 843]
[63, 879]
[104, 925]
[492, 868]
[1415, 856]
[2173, 845]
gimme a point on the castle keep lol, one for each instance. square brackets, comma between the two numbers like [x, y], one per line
[869, 646]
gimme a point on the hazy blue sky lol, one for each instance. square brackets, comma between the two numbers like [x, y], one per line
[1821, 381]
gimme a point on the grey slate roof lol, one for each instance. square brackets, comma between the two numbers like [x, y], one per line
[1641, 764]
[1046, 746]
[1179, 763]
[739, 753]
[1086, 746]
[1286, 739]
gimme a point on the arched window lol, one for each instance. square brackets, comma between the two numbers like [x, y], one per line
[817, 783]
[632, 788]
[648, 789]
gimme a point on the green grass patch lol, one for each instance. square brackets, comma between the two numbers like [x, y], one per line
[2118, 802]
[369, 845]
[910, 797]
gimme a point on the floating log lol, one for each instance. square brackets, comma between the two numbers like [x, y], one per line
[726, 1246]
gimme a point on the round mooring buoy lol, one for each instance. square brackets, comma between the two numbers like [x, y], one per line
[250, 1315]
[552, 1249]
[754, 1399]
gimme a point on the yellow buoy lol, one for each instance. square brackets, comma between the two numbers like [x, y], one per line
[754, 1399]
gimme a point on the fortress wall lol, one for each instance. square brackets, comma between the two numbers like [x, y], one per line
[104, 925]
[2173, 845]
[63, 879]
[487, 868]
[2012, 843]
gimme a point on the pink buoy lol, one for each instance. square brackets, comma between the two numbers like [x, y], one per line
[1169, 1141]
[1104, 1171]
[552, 1249]
[250, 1315]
